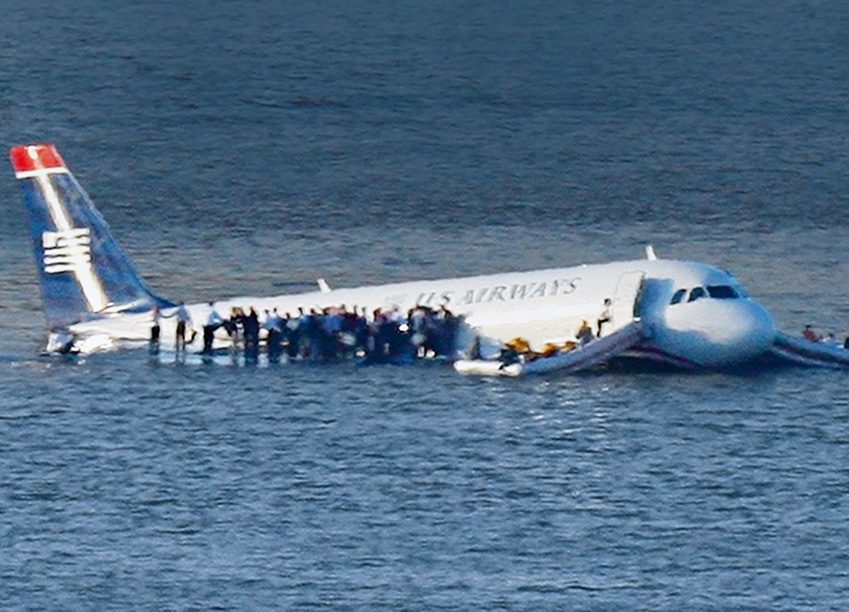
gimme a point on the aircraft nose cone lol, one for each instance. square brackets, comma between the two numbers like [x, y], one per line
[717, 333]
[753, 330]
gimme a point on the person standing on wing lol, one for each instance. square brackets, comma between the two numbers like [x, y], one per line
[213, 322]
[155, 316]
[183, 319]
[585, 333]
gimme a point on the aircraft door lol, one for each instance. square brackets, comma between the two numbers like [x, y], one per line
[625, 307]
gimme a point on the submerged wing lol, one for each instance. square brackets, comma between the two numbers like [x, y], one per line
[805, 352]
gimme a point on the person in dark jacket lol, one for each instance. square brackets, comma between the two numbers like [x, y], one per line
[251, 327]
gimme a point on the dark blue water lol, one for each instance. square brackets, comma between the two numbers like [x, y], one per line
[251, 149]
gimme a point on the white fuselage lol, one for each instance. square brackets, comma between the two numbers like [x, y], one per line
[719, 329]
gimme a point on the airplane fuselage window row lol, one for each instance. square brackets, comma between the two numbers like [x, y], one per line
[717, 292]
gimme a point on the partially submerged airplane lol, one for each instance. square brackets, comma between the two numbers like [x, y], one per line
[685, 314]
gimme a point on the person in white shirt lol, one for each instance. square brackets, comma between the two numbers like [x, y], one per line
[213, 322]
[268, 321]
[830, 339]
[605, 316]
[183, 319]
[273, 328]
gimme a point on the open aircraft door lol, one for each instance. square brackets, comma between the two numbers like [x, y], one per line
[625, 307]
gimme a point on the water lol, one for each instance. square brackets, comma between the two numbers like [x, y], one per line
[251, 150]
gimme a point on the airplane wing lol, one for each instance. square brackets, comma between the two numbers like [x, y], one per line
[805, 352]
[590, 355]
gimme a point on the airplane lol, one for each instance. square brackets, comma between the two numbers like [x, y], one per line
[684, 314]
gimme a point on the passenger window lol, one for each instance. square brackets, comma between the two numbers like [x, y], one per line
[698, 292]
[679, 295]
[722, 292]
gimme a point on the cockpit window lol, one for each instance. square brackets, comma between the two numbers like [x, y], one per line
[722, 292]
[698, 292]
[678, 296]
[717, 292]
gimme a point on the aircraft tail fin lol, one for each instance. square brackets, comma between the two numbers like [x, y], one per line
[84, 273]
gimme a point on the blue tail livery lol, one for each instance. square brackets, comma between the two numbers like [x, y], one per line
[84, 273]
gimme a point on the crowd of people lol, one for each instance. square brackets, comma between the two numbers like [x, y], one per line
[337, 333]
[326, 335]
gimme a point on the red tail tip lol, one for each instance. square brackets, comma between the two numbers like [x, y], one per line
[35, 157]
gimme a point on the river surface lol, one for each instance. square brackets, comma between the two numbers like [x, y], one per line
[250, 149]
